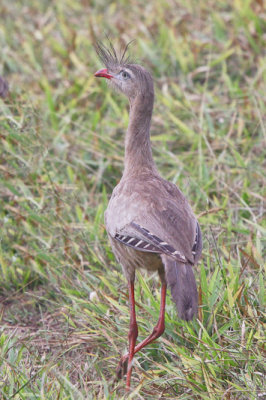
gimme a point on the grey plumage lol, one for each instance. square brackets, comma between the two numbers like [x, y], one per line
[178, 271]
[148, 220]
[181, 280]
[144, 200]
[169, 219]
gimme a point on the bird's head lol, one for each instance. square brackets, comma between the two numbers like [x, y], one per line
[122, 74]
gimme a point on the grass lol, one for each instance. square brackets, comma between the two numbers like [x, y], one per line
[64, 306]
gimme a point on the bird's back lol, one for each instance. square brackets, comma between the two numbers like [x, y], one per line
[155, 204]
[151, 225]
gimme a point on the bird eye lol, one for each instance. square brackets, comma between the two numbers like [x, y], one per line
[125, 74]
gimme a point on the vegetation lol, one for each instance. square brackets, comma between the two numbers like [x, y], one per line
[64, 305]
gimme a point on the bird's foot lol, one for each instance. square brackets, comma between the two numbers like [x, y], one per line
[121, 369]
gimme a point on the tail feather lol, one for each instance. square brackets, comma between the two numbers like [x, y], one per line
[180, 278]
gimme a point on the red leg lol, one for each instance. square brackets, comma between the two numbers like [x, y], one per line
[157, 332]
[133, 332]
[159, 327]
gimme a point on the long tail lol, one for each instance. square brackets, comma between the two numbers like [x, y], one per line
[180, 278]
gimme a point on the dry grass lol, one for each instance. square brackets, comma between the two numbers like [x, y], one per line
[64, 308]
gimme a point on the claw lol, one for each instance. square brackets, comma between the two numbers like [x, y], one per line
[121, 369]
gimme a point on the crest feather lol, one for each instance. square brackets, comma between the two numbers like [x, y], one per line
[108, 55]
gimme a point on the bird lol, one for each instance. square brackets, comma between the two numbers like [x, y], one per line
[3, 87]
[149, 221]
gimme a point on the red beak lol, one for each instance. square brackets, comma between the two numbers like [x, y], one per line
[102, 73]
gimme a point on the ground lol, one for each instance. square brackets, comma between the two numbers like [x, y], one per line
[64, 301]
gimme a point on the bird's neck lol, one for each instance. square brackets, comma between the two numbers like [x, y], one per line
[138, 153]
